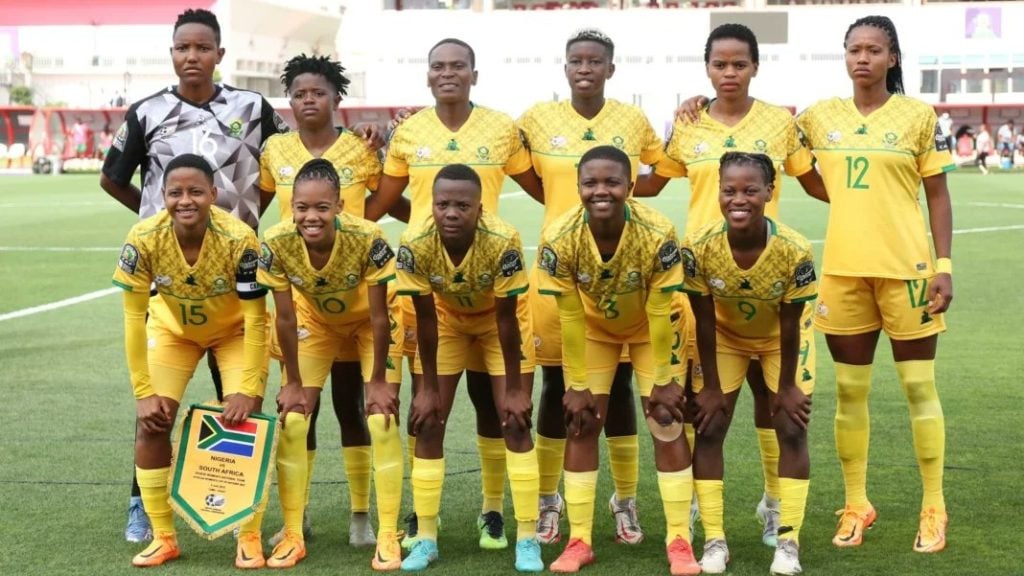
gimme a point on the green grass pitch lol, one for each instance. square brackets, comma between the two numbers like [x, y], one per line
[66, 414]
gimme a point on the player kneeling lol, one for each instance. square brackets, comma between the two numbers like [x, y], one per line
[203, 262]
[748, 279]
[463, 268]
[613, 265]
[339, 266]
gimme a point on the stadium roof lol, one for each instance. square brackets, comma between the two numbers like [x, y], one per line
[94, 12]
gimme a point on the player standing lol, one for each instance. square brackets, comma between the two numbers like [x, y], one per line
[875, 150]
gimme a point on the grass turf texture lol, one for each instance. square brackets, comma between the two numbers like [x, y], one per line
[67, 415]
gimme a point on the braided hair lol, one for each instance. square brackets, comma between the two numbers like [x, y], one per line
[894, 76]
[318, 169]
[592, 35]
[199, 16]
[760, 161]
[332, 71]
[733, 32]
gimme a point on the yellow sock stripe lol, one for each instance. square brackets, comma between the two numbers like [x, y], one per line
[623, 460]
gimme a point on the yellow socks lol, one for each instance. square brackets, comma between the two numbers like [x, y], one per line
[623, 459]
[411, 451]
[579, 501]
[156, 498]
[550, 456]
[712, 508]
[492, 472]
[792, 503]
[928, 425]
[357, 470]
[387, 471]
[427, 481]
[853, 428]
[292, 472]
[676, 494]
[255, 523]
[310, 459]
[523, 479]
[769, 445]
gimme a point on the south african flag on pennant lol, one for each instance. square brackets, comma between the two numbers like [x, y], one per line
[215, 436]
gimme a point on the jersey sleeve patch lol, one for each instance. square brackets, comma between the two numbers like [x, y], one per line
[129, 259]
[266, 257]
[689, 263]
[245, 278]
[804, 274]
[381, 253]
[511, 262]
[941, 143]
[548, 260]
[405, 261]
[668, 254]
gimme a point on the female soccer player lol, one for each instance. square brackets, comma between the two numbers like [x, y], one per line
[748, 279]
[337, 266]
[613, 266]
[736, 121]
[874, 151]
[315, 86]
[463, 269]
[203, 262]
[557, 135]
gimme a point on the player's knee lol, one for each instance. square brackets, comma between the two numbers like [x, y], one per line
[853, 392]
[789, 433]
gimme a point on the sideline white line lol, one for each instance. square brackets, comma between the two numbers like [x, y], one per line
[996, 205]
[58, 249]
[58, 304]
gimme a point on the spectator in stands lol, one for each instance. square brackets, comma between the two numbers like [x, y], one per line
[983, 146]
[946, 128]
[1006, 139]
[106, 140]
[80, 138]
[965, 144]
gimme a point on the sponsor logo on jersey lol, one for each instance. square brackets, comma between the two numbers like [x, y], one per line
[834, 136]
[511, 262]
[422, 153]
[701, 148]
[380, 253]
[941, 142]
[558, 142]
[669, 254]
[804, 274]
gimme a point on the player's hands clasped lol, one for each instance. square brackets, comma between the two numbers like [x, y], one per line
[518, 410]
[154, 414]
[238, 407]
[426, 408]
[791, 401]
[669, 396]
[580, 412]
[382, 398]
[711, 409]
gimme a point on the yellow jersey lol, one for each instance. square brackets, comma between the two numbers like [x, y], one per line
[872, 167]
[198, 302]
[422, 145]
[747, 301]
[697, 149]
[337, 293]
[493, 267]
[615, 292]
[358, 169]
[557, 137]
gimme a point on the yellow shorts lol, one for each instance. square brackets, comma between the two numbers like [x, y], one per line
[547, 329]
[732, 371]
[603, 358]
[849, 305]
[470, 341]
[323, 344]
[173, 361]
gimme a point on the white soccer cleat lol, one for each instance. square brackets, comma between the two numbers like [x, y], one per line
[787, 559]
[768, 515]
[715, 558]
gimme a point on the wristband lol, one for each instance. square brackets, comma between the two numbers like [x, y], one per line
[944, 266]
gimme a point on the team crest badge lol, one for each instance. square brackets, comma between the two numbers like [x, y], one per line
[485, 279]
[483, 154]
[778, 287]
[220, 286]
[352, 279]
[890, 139]
[345, 176]
[633, 278]
[235, 128]
[618, 142]
[761, 146]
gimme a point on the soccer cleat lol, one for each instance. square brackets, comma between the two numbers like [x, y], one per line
[576, 555]
[680, 558]
[163, 548]
[852, 524]
[787, 559]
[288, 552]
[249, 551]
[307, 530]
[768, 515]
[360, 531]
[716, 557]
[931, 536]
[627, 524]
[423, 553]
[139, 528]
[492, 531]
[551, 510]
[388, 556]
[412, 531]
[528, 556]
